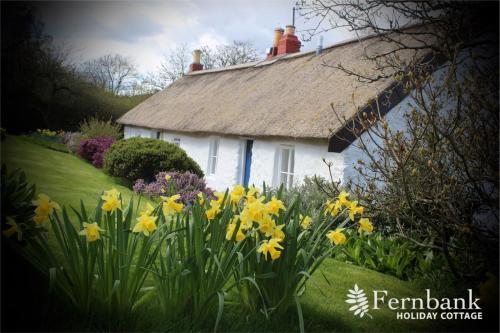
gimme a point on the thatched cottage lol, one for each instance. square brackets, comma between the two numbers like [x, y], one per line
[268, 121]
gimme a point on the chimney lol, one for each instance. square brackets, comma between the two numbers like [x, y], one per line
[288, 43]
[196, 65]
[271, 52]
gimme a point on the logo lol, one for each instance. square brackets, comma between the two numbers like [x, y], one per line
[427, 307]
[357, 297]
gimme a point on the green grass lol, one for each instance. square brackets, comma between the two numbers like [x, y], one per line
[64, 177]
[68, 179]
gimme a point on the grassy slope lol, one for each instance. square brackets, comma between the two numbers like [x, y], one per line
[63, 177]
[67, 179]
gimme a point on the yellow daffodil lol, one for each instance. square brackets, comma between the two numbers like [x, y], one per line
[220, 197]
[267, 225]
[246, 221]
[343, 198]
[306, 222]
[201, 199]
[365, 225]
[355, 209]
[14, 228]
[145, 224]
[113, 193]
[252, 194]
[39, 219]
[111, 200]
[148, 210]
[230, 232]
[167, 178]
[278, 232]
[256, 209]
[274, 206]
[271, 246]
[44, 207]
[333, 208]
[237, 193]
[336, 237]
[170, 206]
[213, 211]
[91, 231]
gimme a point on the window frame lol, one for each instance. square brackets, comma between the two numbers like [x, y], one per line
[213, 155]
[289, 175]
[176, 141]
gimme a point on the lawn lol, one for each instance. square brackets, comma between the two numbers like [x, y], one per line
[68, 179]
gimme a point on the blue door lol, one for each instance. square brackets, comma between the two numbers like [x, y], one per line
[248, 162]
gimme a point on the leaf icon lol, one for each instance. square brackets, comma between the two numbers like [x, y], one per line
[357, 297]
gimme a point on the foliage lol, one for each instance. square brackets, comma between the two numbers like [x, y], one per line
[331, 280]
[387, 254]
[143, 158]
[94, 127]
[72, 141]
[17, 209]
[187, 184]
[436, 178]
[273, 286]
[93, 150]
[102, 266]
[310, 192]
[40, 87]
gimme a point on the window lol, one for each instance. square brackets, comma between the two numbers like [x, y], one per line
[158, 135]
[177, 142]
[286, 161]
[213, 156]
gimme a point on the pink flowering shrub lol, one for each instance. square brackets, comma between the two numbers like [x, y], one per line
[187, 184]
[93, 149]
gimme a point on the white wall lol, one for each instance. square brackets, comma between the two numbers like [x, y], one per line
[129, 132]
[352, 154]
[308, 157]
[308, 161]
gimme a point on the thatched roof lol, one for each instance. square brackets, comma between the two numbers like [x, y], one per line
[287, 96]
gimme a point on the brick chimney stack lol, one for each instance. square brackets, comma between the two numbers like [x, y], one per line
[288, 43]
[278, 33]
[196, 65]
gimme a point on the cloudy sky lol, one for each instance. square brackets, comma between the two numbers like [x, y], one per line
[146, 30]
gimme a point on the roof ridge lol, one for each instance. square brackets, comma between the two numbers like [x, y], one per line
[265, 62]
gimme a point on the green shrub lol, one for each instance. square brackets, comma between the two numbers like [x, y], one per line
[144, 158]
[386, 254]
[313, 197]
[94, 127]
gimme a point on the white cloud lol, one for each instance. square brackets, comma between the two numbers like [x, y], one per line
[145, 31]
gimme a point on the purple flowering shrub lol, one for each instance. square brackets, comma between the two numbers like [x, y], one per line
[187, 184]
[93, 149]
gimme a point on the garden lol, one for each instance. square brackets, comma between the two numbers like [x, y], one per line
[124, 235]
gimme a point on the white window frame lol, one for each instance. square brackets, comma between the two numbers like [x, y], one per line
[290, 168]
[213, 155]
[176, 141]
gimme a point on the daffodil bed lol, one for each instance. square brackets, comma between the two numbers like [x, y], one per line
[240, 261]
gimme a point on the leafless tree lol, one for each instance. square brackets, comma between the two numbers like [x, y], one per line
[176, 61]
[435, 180]
[112, 72]
[238, 52]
